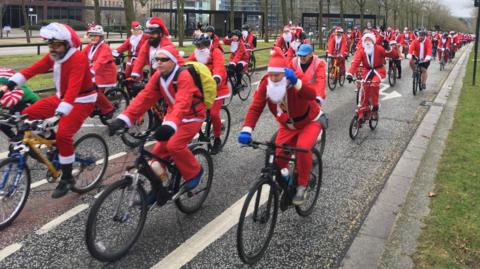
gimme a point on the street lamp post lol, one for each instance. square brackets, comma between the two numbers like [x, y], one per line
[477, 32]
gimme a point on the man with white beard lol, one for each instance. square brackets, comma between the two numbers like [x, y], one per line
[337, 48]
[372, 57]
[293, 104]
[213, 58]
[284, 41]
[239, 57]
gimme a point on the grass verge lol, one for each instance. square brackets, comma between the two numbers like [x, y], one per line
[451, 238]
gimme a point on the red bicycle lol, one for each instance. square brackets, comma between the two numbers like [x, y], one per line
[363, 112]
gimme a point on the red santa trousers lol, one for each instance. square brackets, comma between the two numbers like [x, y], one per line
[445, 55]
[215, 117]
[177, 148]
[103, 104]
[372, 91]
[303, 138]
[68, 125]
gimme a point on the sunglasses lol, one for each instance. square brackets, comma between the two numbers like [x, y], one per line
[163, 60]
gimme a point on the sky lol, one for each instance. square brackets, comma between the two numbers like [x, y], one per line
[459, 8]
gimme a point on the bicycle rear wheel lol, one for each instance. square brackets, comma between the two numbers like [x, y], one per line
[119, 99]
[354, 127]
[252, 64]
[341, 78]
[91, 162]
[257, 221]
[314, 185]
[191, 201]
[14, 190]
[245, 88]
[115, 222]
[332, 80]
[226, 123]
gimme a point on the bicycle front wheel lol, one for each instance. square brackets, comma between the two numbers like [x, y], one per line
[119, 99]
[116, 220]
[14, 189]
[332, 80]
[91, 162]
[245, 87]
[257, 221]
[415, 84]
[354, 127]
[226, 123]
[252, 64]
[138, 132]
[314, 185]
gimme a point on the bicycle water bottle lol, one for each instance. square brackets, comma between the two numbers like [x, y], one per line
[285, 175]
[160, 172]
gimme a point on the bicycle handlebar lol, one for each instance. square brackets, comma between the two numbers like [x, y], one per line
[270, 145]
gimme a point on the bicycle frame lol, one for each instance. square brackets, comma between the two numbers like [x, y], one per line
[363, 111]
[32, 140]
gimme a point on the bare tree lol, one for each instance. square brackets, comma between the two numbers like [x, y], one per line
[320, 23]
[395, 8]
[265, 19]
[180, 22]
[26, 27]
[284, 12]
[292, 12]
[342, 11]
[361, 6]
[1, 19]
[98, 15]
[129, 12]
[232, 15]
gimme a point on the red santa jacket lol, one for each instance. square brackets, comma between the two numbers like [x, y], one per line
[217, 67]
[389, 36]
[239, 54]
[282, 44]
[407, 38]
[456, 39]
[102, 65]
[335, 48]
[248, 42]
[444, 43]
[314, 75]
[291, 53]
[71, 75]
[146, 56]
[216, 43]
[296, 111]
[415, 49]
[355, 35]
[133, 44]
[377, 66]
[180, 103]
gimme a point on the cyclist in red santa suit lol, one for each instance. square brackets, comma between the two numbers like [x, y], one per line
[283, 42]
[292, 102]
[133, 44]
[158, 38]
[75, 95]
[102, 67]
[213, 58]
[185, 116]
[337, 47]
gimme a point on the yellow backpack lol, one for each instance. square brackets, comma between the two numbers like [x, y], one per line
[203, 80]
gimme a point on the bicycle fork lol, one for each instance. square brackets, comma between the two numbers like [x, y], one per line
[5, 176]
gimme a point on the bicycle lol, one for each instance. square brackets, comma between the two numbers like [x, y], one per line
[90, 164]
[392, 72]
[442, 59]
[334, 74]
[252, 63]
[206, 132]
[417, 77]
[265, 194]
[362, 113]
[242, 88]
[124, 202]
[358, 83]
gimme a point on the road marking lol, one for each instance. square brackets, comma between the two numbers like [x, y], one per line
[38, 183]
[98, 195]
[91, 125]
[9, 250]
[60, 219]
[207, 235]
[393, 94]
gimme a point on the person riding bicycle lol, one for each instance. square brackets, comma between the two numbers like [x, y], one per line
[210, 30]
[185, 116]
[337, 48]
[132, 45]
[292, 101]
[102, 68]
[444, 46]
[213, 58]
[421, 49]
[372, 57]
[283, 42]
[299, 40]
[355, 36]
[16, 100]
[158, 38]
[397, 61]
[247, 37]
[239, 57]
[75, 94]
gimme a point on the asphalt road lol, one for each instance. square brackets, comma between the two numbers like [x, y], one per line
[354, 173]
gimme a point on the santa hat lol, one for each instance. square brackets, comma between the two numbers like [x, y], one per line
[171, 52]
[58, 31]
[369, 35]
[287, 28]
[157, 22]
[338, 29]
[277, 62]
[135, 25]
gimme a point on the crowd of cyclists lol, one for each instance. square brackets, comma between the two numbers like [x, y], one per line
[293, 87]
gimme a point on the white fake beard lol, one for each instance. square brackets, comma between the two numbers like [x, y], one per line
[368, 48]
[444, 40]
[276, 90]
[244, 34]
[338, 39]
[287, 37]
[202, 55]
[295, 45]
[234, 46]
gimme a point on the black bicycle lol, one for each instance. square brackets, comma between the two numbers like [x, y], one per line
[117, 217]
[392, 72]
[252, 63]
[417, 77]
[242, 88]
[260, 209]
[206, 134]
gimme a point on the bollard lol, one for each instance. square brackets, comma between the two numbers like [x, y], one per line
[38, 49]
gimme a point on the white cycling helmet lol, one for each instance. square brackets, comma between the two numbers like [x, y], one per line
[96, 30]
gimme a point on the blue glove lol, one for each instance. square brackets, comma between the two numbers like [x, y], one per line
[290, 75]
[245, 138]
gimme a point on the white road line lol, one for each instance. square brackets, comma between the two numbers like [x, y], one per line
[38, 183]
[255, 83]
[9, 250]
[60, 219]
[207, 235]
[98, 195]
[91, 125]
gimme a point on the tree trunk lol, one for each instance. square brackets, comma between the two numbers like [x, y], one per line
[265, 19]
[1, 20]
[26, 22]
[362, 13]
[328, 12]
[284, 12]
[320, 23]
[386, 12]
[129, 14]
[98, 16]
[292, 13]
[232, 15]
[180, 22]
[342, 20]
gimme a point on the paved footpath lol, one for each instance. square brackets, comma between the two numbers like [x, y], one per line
[50, 233]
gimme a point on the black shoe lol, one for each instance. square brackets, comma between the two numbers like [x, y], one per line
[217, 146]
[62, 188]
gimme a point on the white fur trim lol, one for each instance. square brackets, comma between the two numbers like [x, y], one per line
[348, 74]
[135, 75]
[107, 85]
[298, 85]
[409, 56]
[66, 159]
[321, 100]
[125, 119]
[64, 108]
[169, 55]
[171, 124]
[276, 69]
[247, 129]
[193, 120]
[91, 98]
[371, 36]
[18, 78]
[222, 97]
